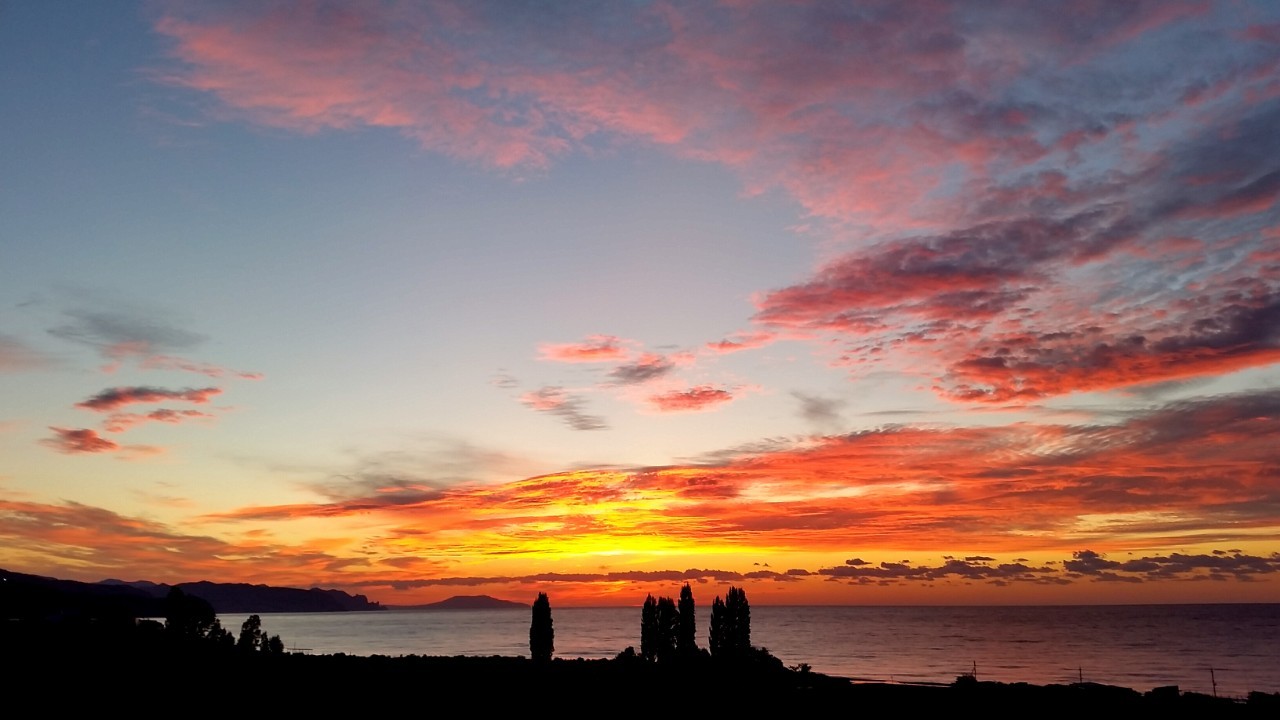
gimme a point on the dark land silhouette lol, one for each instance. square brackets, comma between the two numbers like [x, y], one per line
[465, 602]
[84, 651]
[33, 594]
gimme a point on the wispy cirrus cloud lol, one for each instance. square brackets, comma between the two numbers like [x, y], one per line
[169, 362]
[557, 401]
[17, 356]
[120, 335]
[120, 422]
[136, 336]
[975, 178]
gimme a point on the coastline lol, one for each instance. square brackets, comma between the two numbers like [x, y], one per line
[321, 683]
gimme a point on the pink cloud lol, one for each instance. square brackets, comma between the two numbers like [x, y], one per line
[741, 341]
[695, 399]
[113, 398]
[170, 362]
[120, 422]
[311, 68]
[596, 348]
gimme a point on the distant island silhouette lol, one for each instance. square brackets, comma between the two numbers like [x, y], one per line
[143, 598]
[466, 602]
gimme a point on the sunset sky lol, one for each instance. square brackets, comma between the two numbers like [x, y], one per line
[862, 302]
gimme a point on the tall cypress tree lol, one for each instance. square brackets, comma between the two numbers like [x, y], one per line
[719, 629]
[668, 625]
[541, 632]
[649, 629]
[739, 611]
[686, 637]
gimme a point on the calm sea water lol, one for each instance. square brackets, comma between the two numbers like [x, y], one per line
[1136, 646]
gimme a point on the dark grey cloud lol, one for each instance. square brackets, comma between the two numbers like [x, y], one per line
[643, 370]
[1086, 565]
[823, 412]
[556, 401]
[115, 334]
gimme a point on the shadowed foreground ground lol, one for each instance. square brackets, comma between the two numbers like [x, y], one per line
[97, 671]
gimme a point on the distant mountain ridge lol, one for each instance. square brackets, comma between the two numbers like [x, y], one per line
[467, 602]
[27, 595]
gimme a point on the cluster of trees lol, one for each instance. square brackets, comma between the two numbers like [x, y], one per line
[731, 625]
[668, 630]
[192, 619]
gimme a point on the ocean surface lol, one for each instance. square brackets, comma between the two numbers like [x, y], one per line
[1136, 646]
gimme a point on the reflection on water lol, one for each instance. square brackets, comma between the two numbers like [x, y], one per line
[1138, 646]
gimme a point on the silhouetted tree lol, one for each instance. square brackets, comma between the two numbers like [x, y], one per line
[668, 624]
[649, 629]
[541, 633]
[735, 604]
[220, 636]
[187, 616]
[731, 625]
[275, 645]
[686, 636]
[251, 637]
[719, 629]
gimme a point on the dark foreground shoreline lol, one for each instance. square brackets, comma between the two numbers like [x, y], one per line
[98, 677]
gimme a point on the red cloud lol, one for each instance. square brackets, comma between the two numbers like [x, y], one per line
[703, 397]
[596, 348]
[113, 398]
[74, 442]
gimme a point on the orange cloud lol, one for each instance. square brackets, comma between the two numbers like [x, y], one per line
[1186, 471]
[85, 441]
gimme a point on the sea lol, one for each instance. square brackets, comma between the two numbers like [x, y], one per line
[1227, 649]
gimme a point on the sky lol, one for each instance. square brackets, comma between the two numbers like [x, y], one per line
[835, 302]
